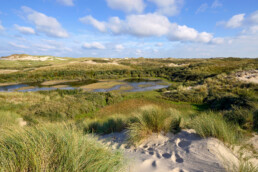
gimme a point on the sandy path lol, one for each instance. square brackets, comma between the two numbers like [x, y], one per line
[183, 152]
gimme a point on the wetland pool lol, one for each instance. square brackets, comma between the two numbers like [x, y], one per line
[127, 85]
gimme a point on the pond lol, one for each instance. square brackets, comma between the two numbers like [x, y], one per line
[128, 85]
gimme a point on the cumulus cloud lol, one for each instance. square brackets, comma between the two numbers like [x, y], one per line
[127, 5]
[24, 30]
[1, 26]
[148, 25]
[45, 24]
[235, 21]
[216, 4]
[168, 7]
[119, 47]
[93, 45]
[66, 2]
[249, 24]
[90, 20]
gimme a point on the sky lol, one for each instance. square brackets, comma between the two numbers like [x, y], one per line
[130, 28]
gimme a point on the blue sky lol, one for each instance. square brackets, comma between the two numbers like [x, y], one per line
[130, 28]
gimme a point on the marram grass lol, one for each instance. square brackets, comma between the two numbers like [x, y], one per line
[152, 119]
[212, 124]
[53, 147]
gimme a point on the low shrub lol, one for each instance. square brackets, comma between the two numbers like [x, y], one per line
[240, 116]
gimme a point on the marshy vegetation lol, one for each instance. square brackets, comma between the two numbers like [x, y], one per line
[204, 94]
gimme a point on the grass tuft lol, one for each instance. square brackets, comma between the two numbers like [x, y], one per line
[152, 119]
[54, 147]
[210, 124]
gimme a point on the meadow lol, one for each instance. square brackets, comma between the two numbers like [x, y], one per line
[61, 125]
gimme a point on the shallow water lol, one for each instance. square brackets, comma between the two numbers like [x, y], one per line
[134, 84]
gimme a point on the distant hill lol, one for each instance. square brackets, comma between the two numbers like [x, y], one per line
[30, 57]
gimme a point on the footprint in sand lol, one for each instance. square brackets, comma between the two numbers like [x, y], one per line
[184, 143]
[176, 158]
[166, 155]
[154, 164]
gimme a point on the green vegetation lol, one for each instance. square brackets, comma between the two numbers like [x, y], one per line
[205, 94]
[153, 120]
[51, 147]
[213, 125]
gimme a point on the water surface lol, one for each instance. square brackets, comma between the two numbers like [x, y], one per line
[134, 85]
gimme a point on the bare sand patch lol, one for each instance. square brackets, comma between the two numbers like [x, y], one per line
[3, 71]
[21, 122]
[248, 76]
[177, 65]
[55, 82]
[8, 83]
[185, 151]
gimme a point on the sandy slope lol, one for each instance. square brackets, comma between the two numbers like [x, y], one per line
[248, 76]
[185, 151]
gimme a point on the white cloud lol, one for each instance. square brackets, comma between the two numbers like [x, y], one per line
[1, 26]
[168, 7]
[248, 24]
[93, 45]
[127, 5]
[218, 40]
[236, 21]
[17, 45]
[147, 25]
[138, 52]
[90, 20]
[216, 4]
[159, 44]
[202, 8]
[119, 47]
[66, 2]
[24, 30]
[45, 24]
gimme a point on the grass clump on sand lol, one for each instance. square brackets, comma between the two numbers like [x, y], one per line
[54, 147]
[152, 119]
[210, 124]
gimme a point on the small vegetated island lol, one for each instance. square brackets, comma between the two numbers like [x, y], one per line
[128, 114]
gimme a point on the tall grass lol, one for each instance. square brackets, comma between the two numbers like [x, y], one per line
[212, 124]
[54, 148]
[152, 119]
[8, 118]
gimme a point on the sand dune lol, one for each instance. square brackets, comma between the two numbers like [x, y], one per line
[183, 152]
